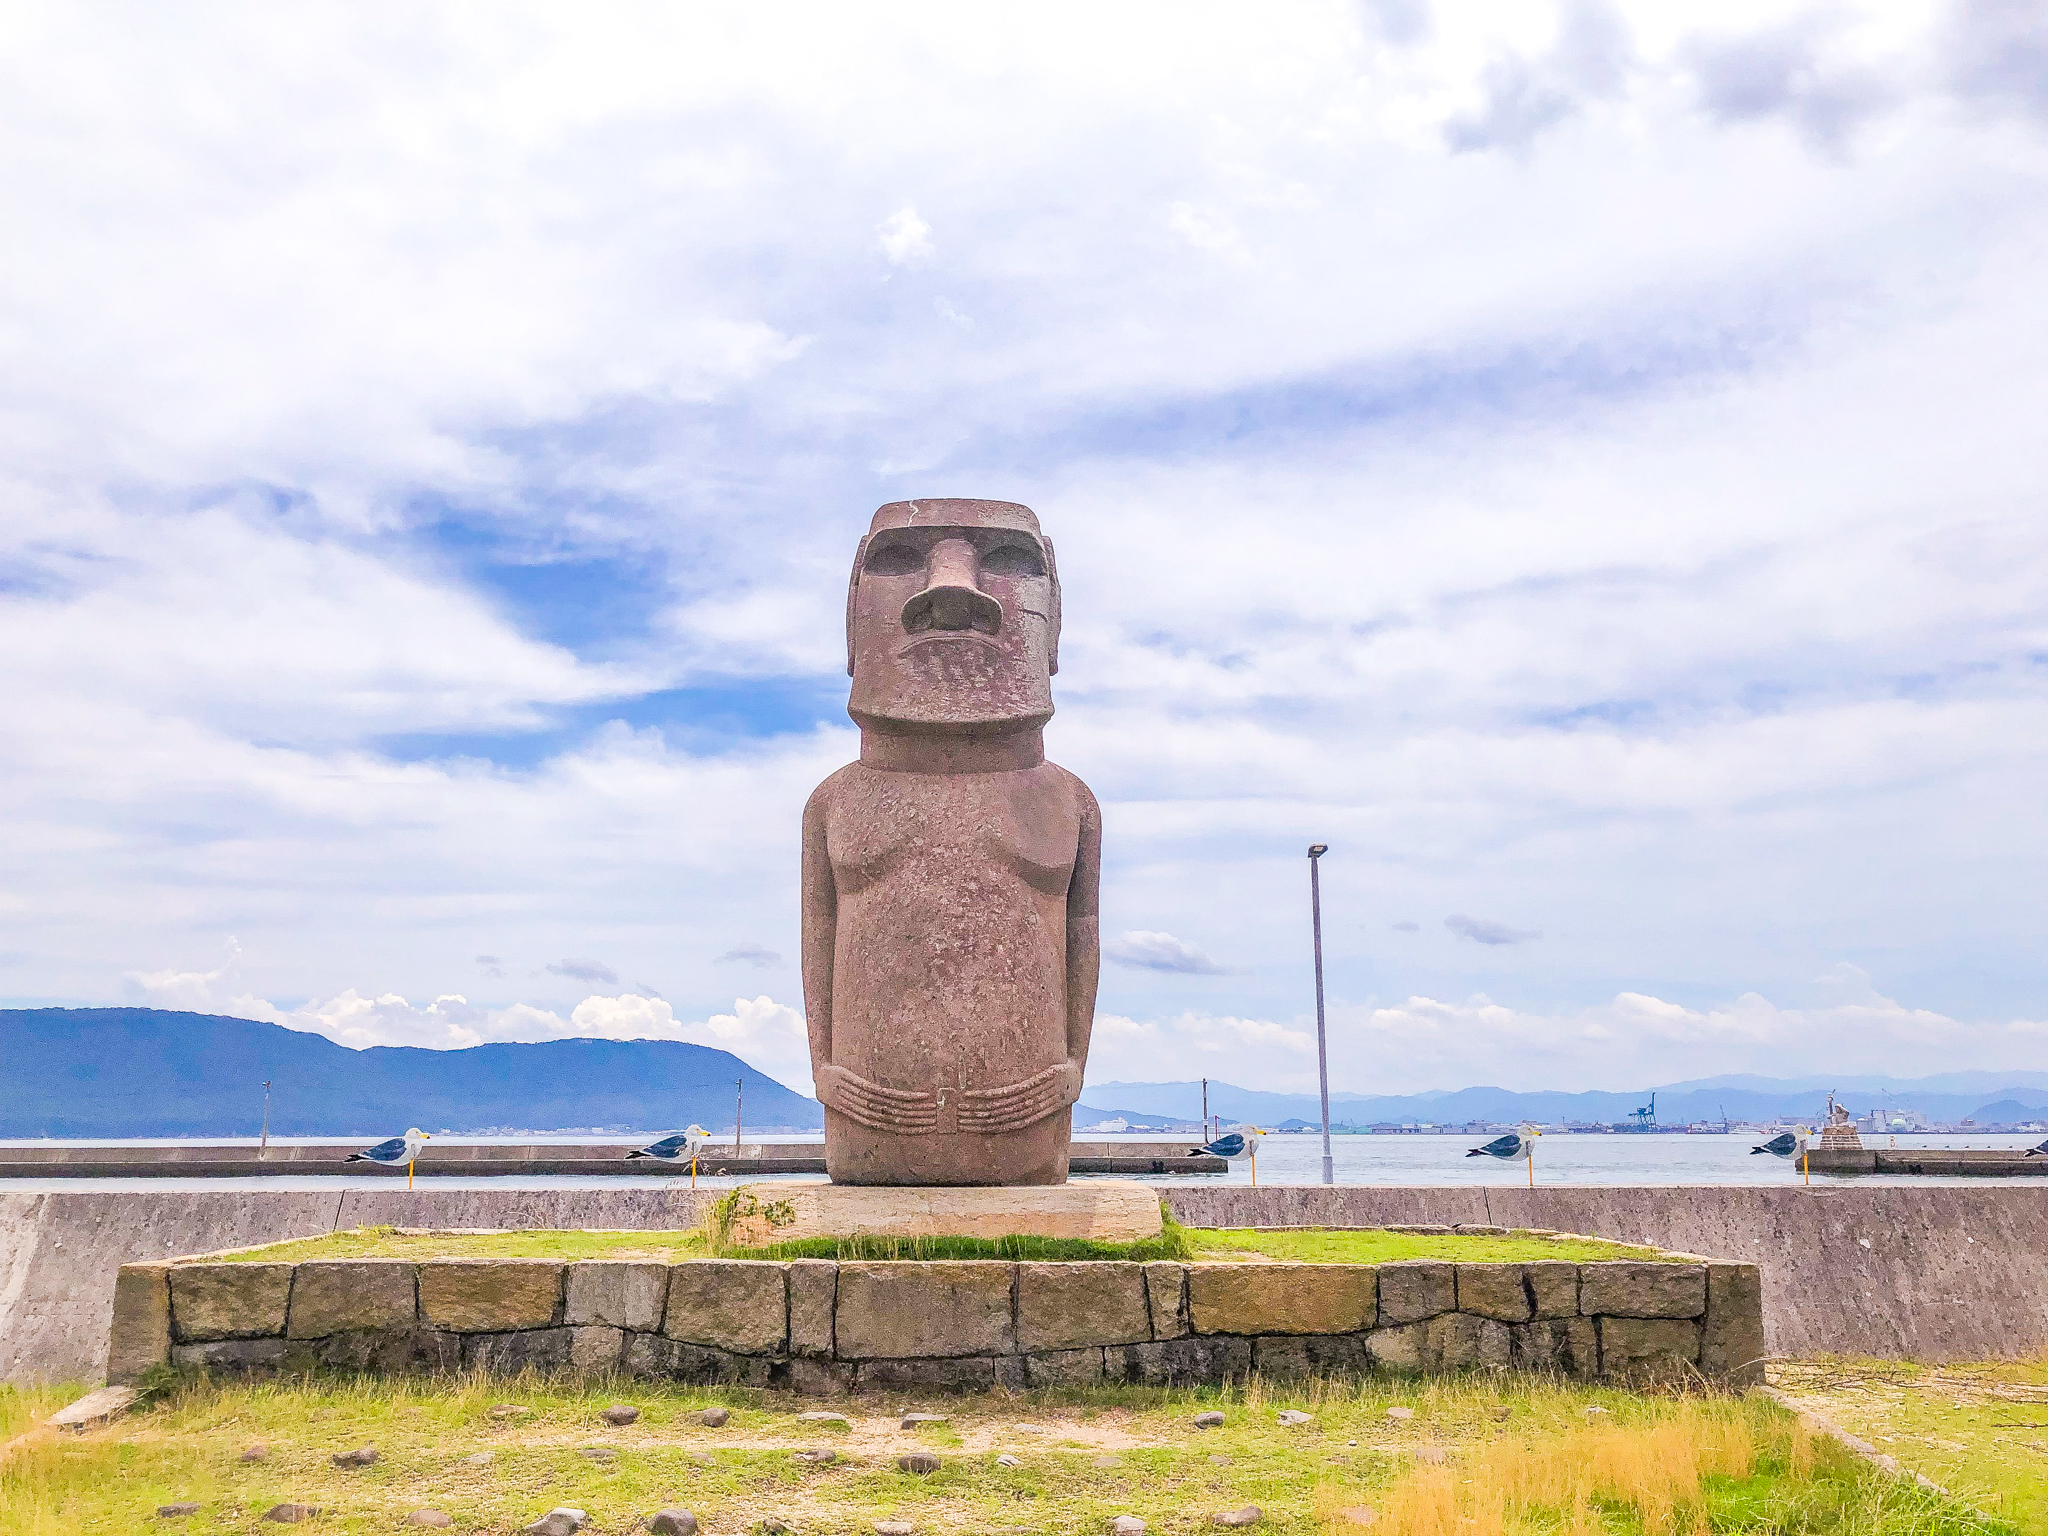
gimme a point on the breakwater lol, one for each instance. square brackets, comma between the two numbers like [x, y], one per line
[508, 1159]
[1927, 1274]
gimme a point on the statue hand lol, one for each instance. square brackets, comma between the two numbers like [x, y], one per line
[989, 1111]
[878, 1108]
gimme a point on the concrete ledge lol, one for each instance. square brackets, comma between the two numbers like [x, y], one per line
[813, 1325]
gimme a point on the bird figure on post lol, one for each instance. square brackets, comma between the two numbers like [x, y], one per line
[673, 1149]
[398, 1150]
[1234, 1145]
[1514, 1145]
[1792, 1143]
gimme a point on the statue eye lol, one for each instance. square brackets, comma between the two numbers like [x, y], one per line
[894, 560]
[1012, 560]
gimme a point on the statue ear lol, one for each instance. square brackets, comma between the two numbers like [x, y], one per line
[1053, 618]
[860, 556]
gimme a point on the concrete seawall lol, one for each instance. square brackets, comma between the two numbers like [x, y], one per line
[1924, 1274]
[1900, 1273]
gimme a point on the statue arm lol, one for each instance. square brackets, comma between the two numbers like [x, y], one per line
[1084, 931]
[820, 933]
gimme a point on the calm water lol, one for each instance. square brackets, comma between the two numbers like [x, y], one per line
[1403, 1160]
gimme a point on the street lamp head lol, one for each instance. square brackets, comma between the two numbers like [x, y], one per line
[1317, 850]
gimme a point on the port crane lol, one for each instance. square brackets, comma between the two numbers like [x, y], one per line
[1646, 1116]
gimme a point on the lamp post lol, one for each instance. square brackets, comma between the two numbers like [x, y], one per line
[1315, 903]
[265, 1147]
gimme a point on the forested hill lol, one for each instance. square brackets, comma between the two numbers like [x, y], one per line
[95, 1072]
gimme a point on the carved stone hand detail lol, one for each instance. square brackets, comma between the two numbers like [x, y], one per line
[1016, 1105]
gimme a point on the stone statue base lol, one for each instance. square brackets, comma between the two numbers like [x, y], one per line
[1102, 1210]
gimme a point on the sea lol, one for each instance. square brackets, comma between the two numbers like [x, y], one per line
[1561, 1159]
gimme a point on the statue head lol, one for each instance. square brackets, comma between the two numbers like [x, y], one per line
[953, 620]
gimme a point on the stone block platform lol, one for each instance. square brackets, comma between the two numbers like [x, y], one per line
[1103, 1210]
[818, 1326]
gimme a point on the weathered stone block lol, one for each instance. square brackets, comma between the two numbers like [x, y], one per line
[230, 1355]
[1282, 1298]
[490, 1295]
[1554, 1285]
[1190, 1361]
[1464, 1341]
[1338, 1354]
[595, 1347]
[141, 1332]
[820, 1378]
[377, 1352]
[1567, 1345]
[342, 1295]
[658, 1358]
[615, 1293]
[229, 1301]
[813, 1294]
[1403, 1347]
[1071, 1306]
[738, 1305]
[1639, 1346]
[1732, 1338]
[507, 1354]
[975, 1373]
[1166, 1297]
[1414, 1289]
[1283, 1357]
[1638, 1288]
[1064, 1368]
[891, 1311]
[1498, 1291]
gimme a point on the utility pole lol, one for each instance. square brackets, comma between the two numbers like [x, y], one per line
[1315, 901]
[266, 1116]
[739, 1102]
[1205, 1111]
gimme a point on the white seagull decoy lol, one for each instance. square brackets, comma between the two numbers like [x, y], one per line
[1790, 1143]
[673, 1149]
[399, 1149]
[1512, 1146]
[1234, 1145]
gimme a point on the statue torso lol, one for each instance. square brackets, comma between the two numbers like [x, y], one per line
[949, 965]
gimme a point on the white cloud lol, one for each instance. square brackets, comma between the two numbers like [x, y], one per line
[904, 238]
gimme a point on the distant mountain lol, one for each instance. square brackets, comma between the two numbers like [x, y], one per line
[1137, 1120]
[1948, 1097]
[2008, 1112]
[106, 1072]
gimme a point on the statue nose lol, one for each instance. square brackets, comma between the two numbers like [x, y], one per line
[951, 599]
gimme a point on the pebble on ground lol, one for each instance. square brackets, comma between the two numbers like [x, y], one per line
[1210, 1420]
[673, 1522]
[175, 1511]
[431, 1517]
[714, 1418]
[360, 1457]
[923, 1463]
[621, 1414]
[1249, 1515]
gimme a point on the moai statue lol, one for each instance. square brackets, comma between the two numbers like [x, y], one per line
[950, 944]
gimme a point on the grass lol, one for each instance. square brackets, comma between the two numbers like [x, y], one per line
[1979, 1430]
[24, 1407]
[1508, 1457]
[1176, 1242]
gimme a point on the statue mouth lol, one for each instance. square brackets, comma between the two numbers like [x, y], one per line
[950, 637]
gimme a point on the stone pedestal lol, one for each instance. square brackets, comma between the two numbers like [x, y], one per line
[1105, 1210]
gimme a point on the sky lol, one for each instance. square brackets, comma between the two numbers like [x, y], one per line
[1584, 463]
